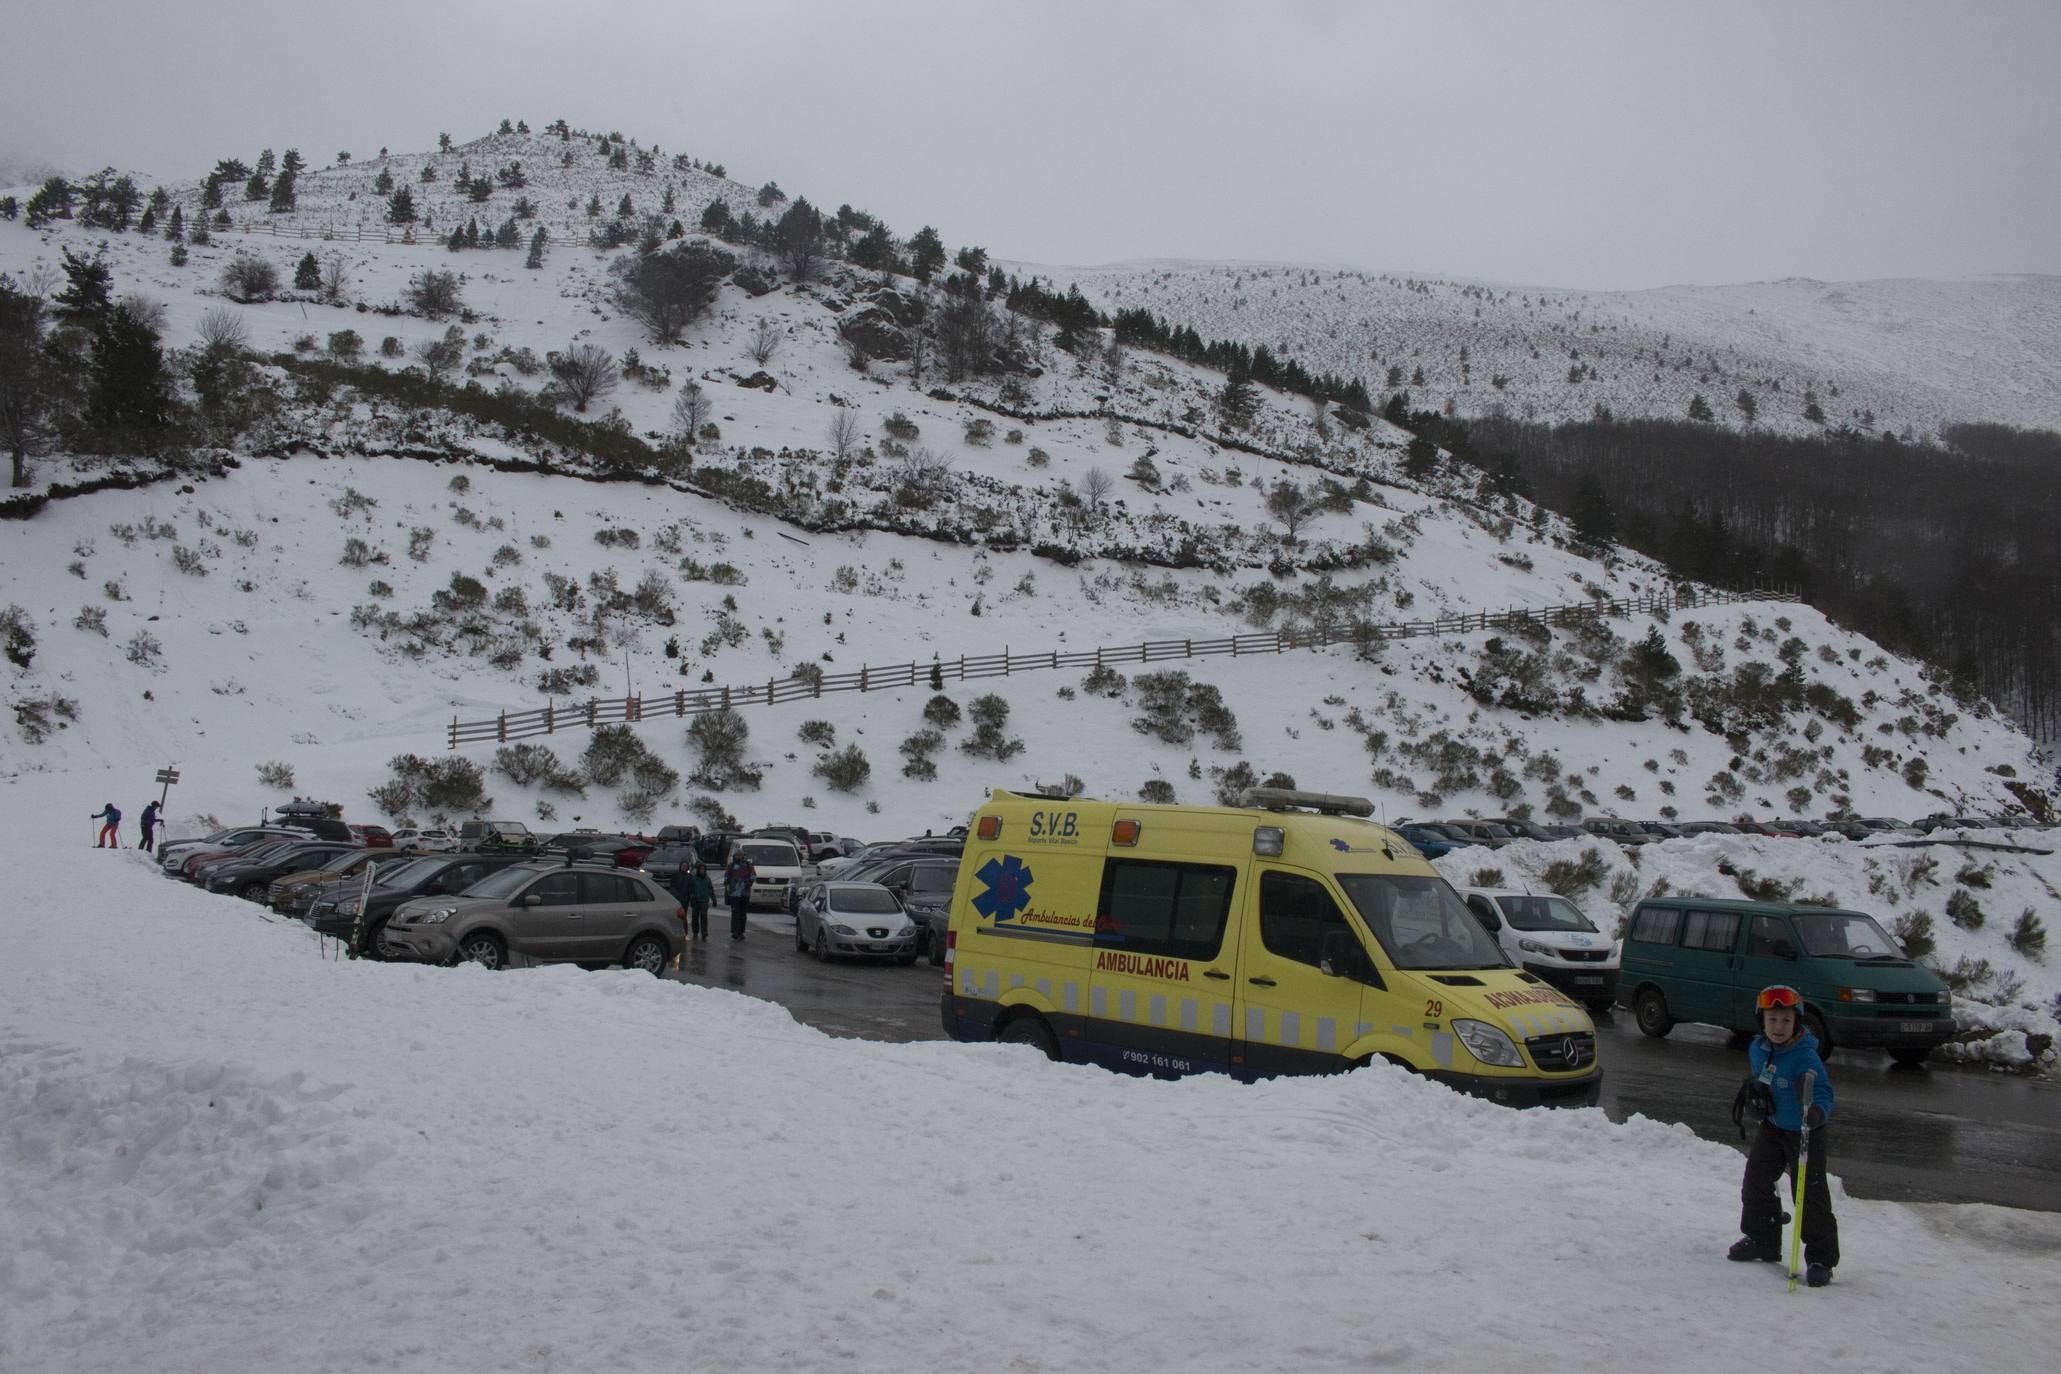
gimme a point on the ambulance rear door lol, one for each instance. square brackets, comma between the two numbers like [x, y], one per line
[1161, 997]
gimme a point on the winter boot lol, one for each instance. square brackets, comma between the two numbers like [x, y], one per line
[1746, 1250]
[1817, 1275]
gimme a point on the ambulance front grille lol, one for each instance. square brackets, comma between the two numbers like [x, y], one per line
[1562, 1053]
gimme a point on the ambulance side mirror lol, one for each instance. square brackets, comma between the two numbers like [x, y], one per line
[1342, 956]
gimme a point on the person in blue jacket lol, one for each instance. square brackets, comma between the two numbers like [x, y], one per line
[1780, 1057]
[110, 834]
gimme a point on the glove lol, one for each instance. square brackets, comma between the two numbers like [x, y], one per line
[1814, 1116]
[1761, 1099]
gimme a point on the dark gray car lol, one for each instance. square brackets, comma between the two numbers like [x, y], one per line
[545, 913]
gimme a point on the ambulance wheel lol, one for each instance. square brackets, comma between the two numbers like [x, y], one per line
[1599, 1006]
[1030, 1030]
[1650, 1009]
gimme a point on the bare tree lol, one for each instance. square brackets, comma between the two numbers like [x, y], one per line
[919, 346]
[1293, 507]
[28, 390]
[966, 333]
[248, 279]
[585, 372]
[335, 281]
[921, 477]
[690, 412]
[1320, 416]
[765, 341]
[845, 432]
[223, 331]
[1096, 486]
[435, 293]
[441, 357]
[855, 353]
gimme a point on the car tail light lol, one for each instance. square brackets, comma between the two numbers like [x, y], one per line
[951, 951]
[681, 912]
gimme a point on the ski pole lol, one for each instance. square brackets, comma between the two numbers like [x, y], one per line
[1803, 1165]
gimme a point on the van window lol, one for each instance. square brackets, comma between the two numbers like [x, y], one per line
[1164, 908]
[1712, 930]
[1845, 935]
[1764, 934]
[1296, 913]
[1656, 925]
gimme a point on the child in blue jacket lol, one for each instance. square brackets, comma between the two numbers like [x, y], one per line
[1780, 1057]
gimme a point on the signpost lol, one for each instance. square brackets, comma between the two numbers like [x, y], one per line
[167, 776]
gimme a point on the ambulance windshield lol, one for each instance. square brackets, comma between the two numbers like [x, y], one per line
[1421, 922]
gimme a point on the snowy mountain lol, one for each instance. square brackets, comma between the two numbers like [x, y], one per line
[361, 568]
[1904, 355]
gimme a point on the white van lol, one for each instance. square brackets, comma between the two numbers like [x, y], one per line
[1548, 935]
[781, 871]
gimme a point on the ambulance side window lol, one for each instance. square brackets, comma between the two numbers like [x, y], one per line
[1296, 913]
[1164, 908]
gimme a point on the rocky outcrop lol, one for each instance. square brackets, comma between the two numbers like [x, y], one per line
[874, 330]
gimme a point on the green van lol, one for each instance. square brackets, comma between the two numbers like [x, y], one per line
[1703, 959]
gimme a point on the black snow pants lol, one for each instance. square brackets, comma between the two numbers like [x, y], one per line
[738, 906]
[1761, 1207]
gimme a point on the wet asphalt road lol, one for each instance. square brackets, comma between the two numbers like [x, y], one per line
[1935, 1134]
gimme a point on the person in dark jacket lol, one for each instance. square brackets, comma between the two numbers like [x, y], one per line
[692, 886]
[737, 881]
[149, 823]
[1782, 1057]
[110, 834]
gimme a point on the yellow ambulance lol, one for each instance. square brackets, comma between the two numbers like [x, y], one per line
[1288, 934]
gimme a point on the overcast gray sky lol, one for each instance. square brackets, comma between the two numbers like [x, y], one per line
[1604, 143]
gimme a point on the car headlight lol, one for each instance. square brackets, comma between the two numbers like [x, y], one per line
[436, 917]
[905, 932]
[1488, 1044]
[1857, 994]
[846, 931]
[1534, 947]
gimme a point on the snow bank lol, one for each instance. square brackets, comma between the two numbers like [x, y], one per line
[220, 1151]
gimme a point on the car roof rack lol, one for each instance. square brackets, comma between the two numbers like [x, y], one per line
[1288, 799]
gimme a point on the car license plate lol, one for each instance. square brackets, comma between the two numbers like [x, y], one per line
[1588, 978]
[1917, 1027]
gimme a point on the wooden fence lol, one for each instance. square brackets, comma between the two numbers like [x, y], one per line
[810, 683]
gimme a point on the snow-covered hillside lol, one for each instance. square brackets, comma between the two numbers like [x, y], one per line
[1904, 355]
[360, 573]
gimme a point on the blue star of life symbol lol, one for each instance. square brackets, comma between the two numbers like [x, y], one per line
[1341, 846]
[1006, 888]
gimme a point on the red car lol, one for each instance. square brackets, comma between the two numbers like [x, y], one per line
[373, 836]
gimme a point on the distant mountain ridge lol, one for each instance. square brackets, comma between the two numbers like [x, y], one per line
[1902, 354]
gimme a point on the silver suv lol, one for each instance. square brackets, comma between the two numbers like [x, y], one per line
[545, 913]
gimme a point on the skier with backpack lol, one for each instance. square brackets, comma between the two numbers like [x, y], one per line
[1791, 1093]
[110, 834]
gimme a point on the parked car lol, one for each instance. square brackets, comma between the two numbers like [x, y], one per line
[1704, 959]
[781, 870]
[1709, 828]
[624, 851]
[491, 835]
[373, 836]
[545, 912]
[856, 920]
[1626, 833]
[662, 863]
[1549, 936]
[173, 858]
[1532, 830]
[1487, 834]
[288, 889]
[201, 869]
[425, 841]
[251, 878]
[1659, 830]
[923, 883]
[360, 918]
[1430, 840]
[677, 834]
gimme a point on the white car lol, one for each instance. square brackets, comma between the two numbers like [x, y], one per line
[426, 841]
[780, 871]
[1547, 935]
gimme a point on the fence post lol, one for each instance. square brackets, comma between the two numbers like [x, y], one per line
[591, 704]
[550, 718]
[501, 729]
[679, 701]
[454, 732]
[1190, 642]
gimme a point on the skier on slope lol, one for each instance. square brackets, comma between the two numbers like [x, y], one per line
[1780, 1056]
[149, 824]
[110, 834]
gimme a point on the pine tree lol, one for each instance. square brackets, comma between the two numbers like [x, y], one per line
[266, 162]
[401, 208]
[536, 257]
[258, 187]
[292, 165]
[1748, 407]
[1591, 515]
[283, 194]
[383, 184]
[623, 208]
[1699, 409]
[1239, 400]
[307, 274]
[926, 254]
[715, 219]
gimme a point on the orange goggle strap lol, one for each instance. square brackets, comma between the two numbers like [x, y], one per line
[1778, 996]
